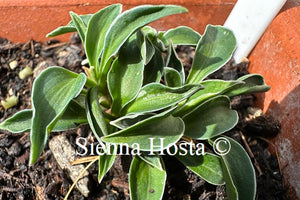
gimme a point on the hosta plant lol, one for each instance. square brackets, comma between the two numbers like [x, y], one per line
[136, 93]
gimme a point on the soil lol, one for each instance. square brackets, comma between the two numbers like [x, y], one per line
[46, 180]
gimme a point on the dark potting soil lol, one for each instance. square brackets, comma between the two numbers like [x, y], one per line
[46, 180]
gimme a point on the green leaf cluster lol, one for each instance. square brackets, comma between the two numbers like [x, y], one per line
[136, 89]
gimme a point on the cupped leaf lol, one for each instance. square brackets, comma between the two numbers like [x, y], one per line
[79, 24]
[181, 35]
[210, 119]
[211, 89]
[125, 78]
[156, 42]
[70, 27]
[146, 181]
[153, 134]
[207, 167]
[153, 71]
[214, 49]
[174, 62]
[21, 121]
[240, 171]
[129, 22]
[148, 30]
[147, 49]
[172, 77]
[96, 30]
[52, 91]
[253, 83]
[156, 96]
[94, 114]
[129, 120]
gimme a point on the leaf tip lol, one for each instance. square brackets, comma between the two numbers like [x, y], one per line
[184, 10]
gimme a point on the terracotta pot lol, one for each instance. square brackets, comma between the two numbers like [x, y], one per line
[277, 58]
[33, 19]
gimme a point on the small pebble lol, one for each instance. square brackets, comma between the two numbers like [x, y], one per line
[9, 102]
[13, 64]
[15, 149]
[27, 71]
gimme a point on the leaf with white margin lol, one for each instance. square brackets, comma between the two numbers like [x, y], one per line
[21, 121]
[70, 27]
[129, 22]
[129, 120]
[95, 114]
[153, 134]
[253, 83]
[79, 25]
[181, 35]
[210, 119]
[153, 71]
[207, 167]
[172, 77]
[96, 31]
[240, 175]
[125, 77]
[146, 181]
[213, 50]
[154, 160]
[211, 89]
[155, 96]
[52, 92]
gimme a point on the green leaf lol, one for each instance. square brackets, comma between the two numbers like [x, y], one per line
[240, 171]
[211, 89]
[155, 96]
[73, 116]
[253, 83]
[156, 42]
[147, 49]
[94, 114]
[181, 35]
[129, 22]
[105, 163]
[174, 62]
[153, 71]
[125, 78]
[96, 30]
[148, 30]
[207, 166]
[231, 190]
[70, 27]
[79, 24]
[210, 119]
[129, 120]
[146, 181]
[213, 50]
[154, 160]
[52, 91]
[172, 77]
[153, 134]
[21, 121]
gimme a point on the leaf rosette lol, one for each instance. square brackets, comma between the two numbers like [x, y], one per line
[136, 90]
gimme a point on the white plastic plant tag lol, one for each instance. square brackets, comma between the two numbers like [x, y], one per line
[248, 20]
